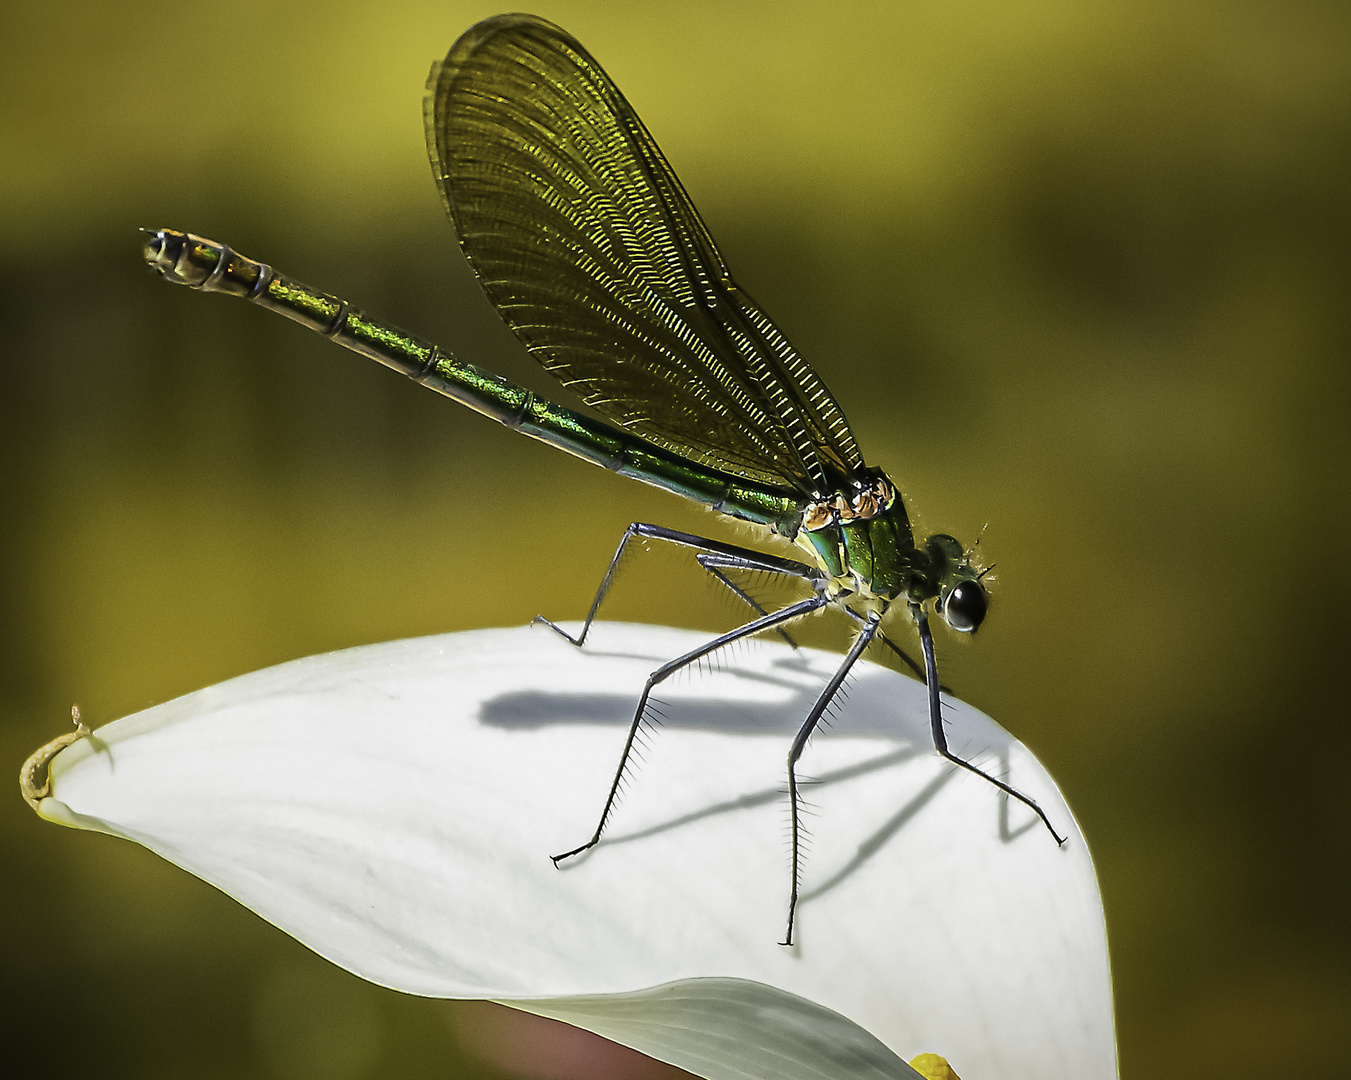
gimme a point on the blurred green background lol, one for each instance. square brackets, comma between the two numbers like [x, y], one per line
[1077, 271]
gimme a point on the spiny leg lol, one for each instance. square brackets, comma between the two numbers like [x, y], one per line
[940, 737]
[772, 563]
[767, 622]
[714, 564]
[799, 744]
[904, 656]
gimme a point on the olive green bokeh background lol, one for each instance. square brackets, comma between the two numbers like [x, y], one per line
[1077, 271]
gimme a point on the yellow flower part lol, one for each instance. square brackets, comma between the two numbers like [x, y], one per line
[933, 1067]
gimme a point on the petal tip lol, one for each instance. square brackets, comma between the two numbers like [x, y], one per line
[58, 813]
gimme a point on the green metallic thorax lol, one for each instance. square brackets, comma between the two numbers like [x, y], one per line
[875, 556]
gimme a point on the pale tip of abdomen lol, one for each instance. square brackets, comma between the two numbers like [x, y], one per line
[161, 250]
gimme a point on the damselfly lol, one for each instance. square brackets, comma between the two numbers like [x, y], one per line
[592, 253]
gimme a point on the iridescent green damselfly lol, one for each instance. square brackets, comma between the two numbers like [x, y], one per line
[587, 245]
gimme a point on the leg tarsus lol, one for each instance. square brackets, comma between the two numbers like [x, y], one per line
[1026, 800]
[540, 620]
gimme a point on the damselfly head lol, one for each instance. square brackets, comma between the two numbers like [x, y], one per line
[962, 600]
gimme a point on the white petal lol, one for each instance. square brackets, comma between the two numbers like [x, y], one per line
[394, 808]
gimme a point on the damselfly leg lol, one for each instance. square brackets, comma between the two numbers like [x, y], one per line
[861, 643]
[724, 555]
[940, 738]
[766, 622]
[717, 564]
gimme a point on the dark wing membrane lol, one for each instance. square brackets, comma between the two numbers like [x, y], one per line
[591, 251]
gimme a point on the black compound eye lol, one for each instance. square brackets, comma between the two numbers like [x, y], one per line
[965, 605]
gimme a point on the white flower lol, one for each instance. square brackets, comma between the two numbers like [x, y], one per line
[394, 808]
